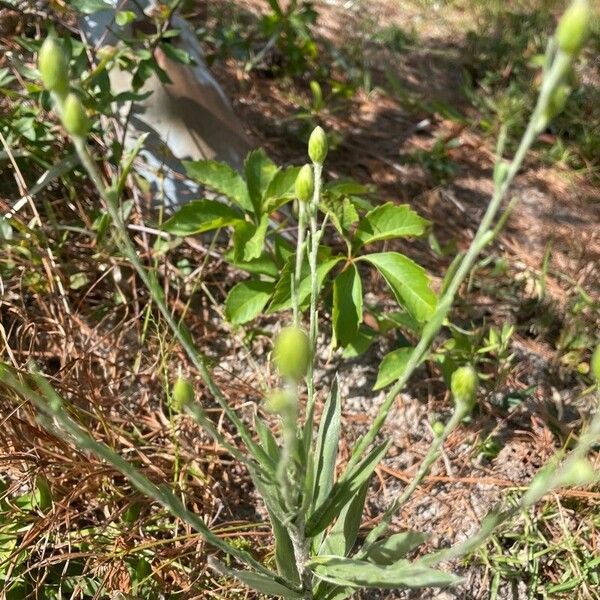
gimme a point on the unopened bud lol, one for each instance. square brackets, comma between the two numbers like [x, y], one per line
[595, 365]
[557, 102]
[573, 28]
[438, 428]
[181, 394]
[500, 172]
[579, 472]
[318, 146]
[291, 353]
[463, 385]
[53, 66]
[74, 117]
[305, 184]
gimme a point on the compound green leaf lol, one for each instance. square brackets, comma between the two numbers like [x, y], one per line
[409, 282]
[390, 221]
[392, 366]
[221, 178]
[347, 305]
[247, 300]
[200, 216]
[260, 171]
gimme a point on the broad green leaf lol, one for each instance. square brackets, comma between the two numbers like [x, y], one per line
[263, 265]
[326, 451]
[124, 17]
[200, 216]
[359, 573]
[260, 171]
[390, 221]
[249, 239]
[409, 282]
[341, 538]
[395, 547]
[345, 188]
[344, 491]
[361, 343]
[400, 319]
[282, 296]
[255, 581]
[341, 211]
[177, 54]
[392, 366]
[221, 178]
[347, 305]
[246, 300]
[281, 186]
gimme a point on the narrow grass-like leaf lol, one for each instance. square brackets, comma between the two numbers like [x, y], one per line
[392, 366]
[327, 445]
[267, 439]
[389, 221]
[200, 216]
[409, 282]
[246, 300]
[53, 406]
[343, 491]
[359, 573]
[255, 581]
[395, 547]
[341, 538]
[221, 178]
[347, 305]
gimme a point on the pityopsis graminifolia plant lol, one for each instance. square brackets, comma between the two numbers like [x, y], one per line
[315, 513]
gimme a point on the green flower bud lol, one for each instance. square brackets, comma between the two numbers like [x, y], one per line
[463, 385]
[557, 102]
[580, 472]
[573, 28]
[74, 117]
[291, 353]
[305, 184]
[438, 428]
[181, 394]
[281, 402]
[595, 364]
[501, 172]
[53, 66]
[318, 146]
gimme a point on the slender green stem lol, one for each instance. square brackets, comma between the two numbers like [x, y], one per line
[153, 286]
[545, 481]
[481, 239]
[299, 260]
[53, 405]
[432, 455]
[314, 293]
